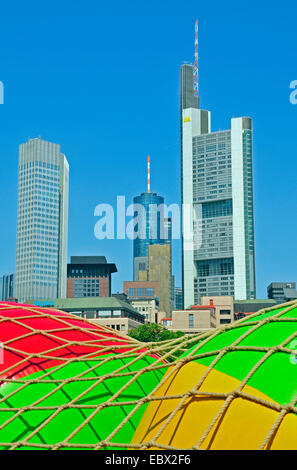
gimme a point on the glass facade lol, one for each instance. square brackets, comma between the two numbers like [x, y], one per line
[42, 224]
[149, 225]
[151, 228]
[6, 286]
[212, 198]
[140, 292]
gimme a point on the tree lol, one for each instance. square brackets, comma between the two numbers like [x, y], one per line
[153, 332]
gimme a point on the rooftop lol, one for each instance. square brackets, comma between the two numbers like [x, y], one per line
[93, 303]
[88, 260]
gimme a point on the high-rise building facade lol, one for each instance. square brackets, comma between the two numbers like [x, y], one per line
[6, 286]
[217, 196]
[179, 301]
[159, 269]
[148, 227]
[42, 224]
[152, 228]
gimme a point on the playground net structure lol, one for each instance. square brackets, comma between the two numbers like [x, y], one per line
[168, 357]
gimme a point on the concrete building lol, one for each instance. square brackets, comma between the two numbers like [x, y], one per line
[107, 311]
[159, 270]
[212, 313]
[89, 276]
[42, 222]
[224, 308]
[143, 295]
[196, 319]
[149, 308]
[217, 194]
[6, 286]
[282, 291]
[253, 305]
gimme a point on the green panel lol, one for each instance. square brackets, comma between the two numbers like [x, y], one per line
[290, 314]
[66, 421]
[271, 313]
[222, 340]
[270, 334]
[277, 377]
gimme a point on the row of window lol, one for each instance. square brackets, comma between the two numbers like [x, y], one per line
[140, 291]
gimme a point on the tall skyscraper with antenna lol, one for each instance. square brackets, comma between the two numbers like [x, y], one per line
[218, 253]
[152, 227]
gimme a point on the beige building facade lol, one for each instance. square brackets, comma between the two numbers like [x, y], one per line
[224, 308]
[191, 321]
[149, 308]
[159, 269]
[215, 311]
[122, 325]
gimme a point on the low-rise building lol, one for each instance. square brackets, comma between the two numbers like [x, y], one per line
[197, 319]
[282, 292]
[107, 311]
[224, 308]
[143, 295]
[243, 307]
[214, 312]
[149, 308]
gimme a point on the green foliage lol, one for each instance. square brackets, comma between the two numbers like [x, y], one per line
[153, 332]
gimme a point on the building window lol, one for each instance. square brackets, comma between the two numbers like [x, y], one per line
[223, 321]
[225, 312]
[191, 320]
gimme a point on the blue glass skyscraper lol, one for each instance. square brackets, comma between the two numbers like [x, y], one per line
[151, 228]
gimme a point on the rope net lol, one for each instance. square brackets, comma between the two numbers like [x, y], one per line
[68, 383]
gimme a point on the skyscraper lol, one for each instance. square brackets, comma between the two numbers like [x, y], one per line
[42, 224]
[159, 269]
[152, 227]
[148, 227]
[217, 194]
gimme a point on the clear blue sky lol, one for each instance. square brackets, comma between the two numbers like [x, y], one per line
[102, 79]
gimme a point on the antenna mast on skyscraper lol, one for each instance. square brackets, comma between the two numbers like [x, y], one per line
[148, 174]
[196, 69]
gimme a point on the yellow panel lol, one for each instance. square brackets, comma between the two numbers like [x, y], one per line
[244, 425]
[286, 435]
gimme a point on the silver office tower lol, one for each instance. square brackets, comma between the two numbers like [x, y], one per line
[217, 196]
[42, 224]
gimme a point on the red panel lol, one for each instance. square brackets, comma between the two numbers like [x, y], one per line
[17, 320]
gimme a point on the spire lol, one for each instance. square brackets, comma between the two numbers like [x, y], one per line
[148, 174]
[196, 69]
